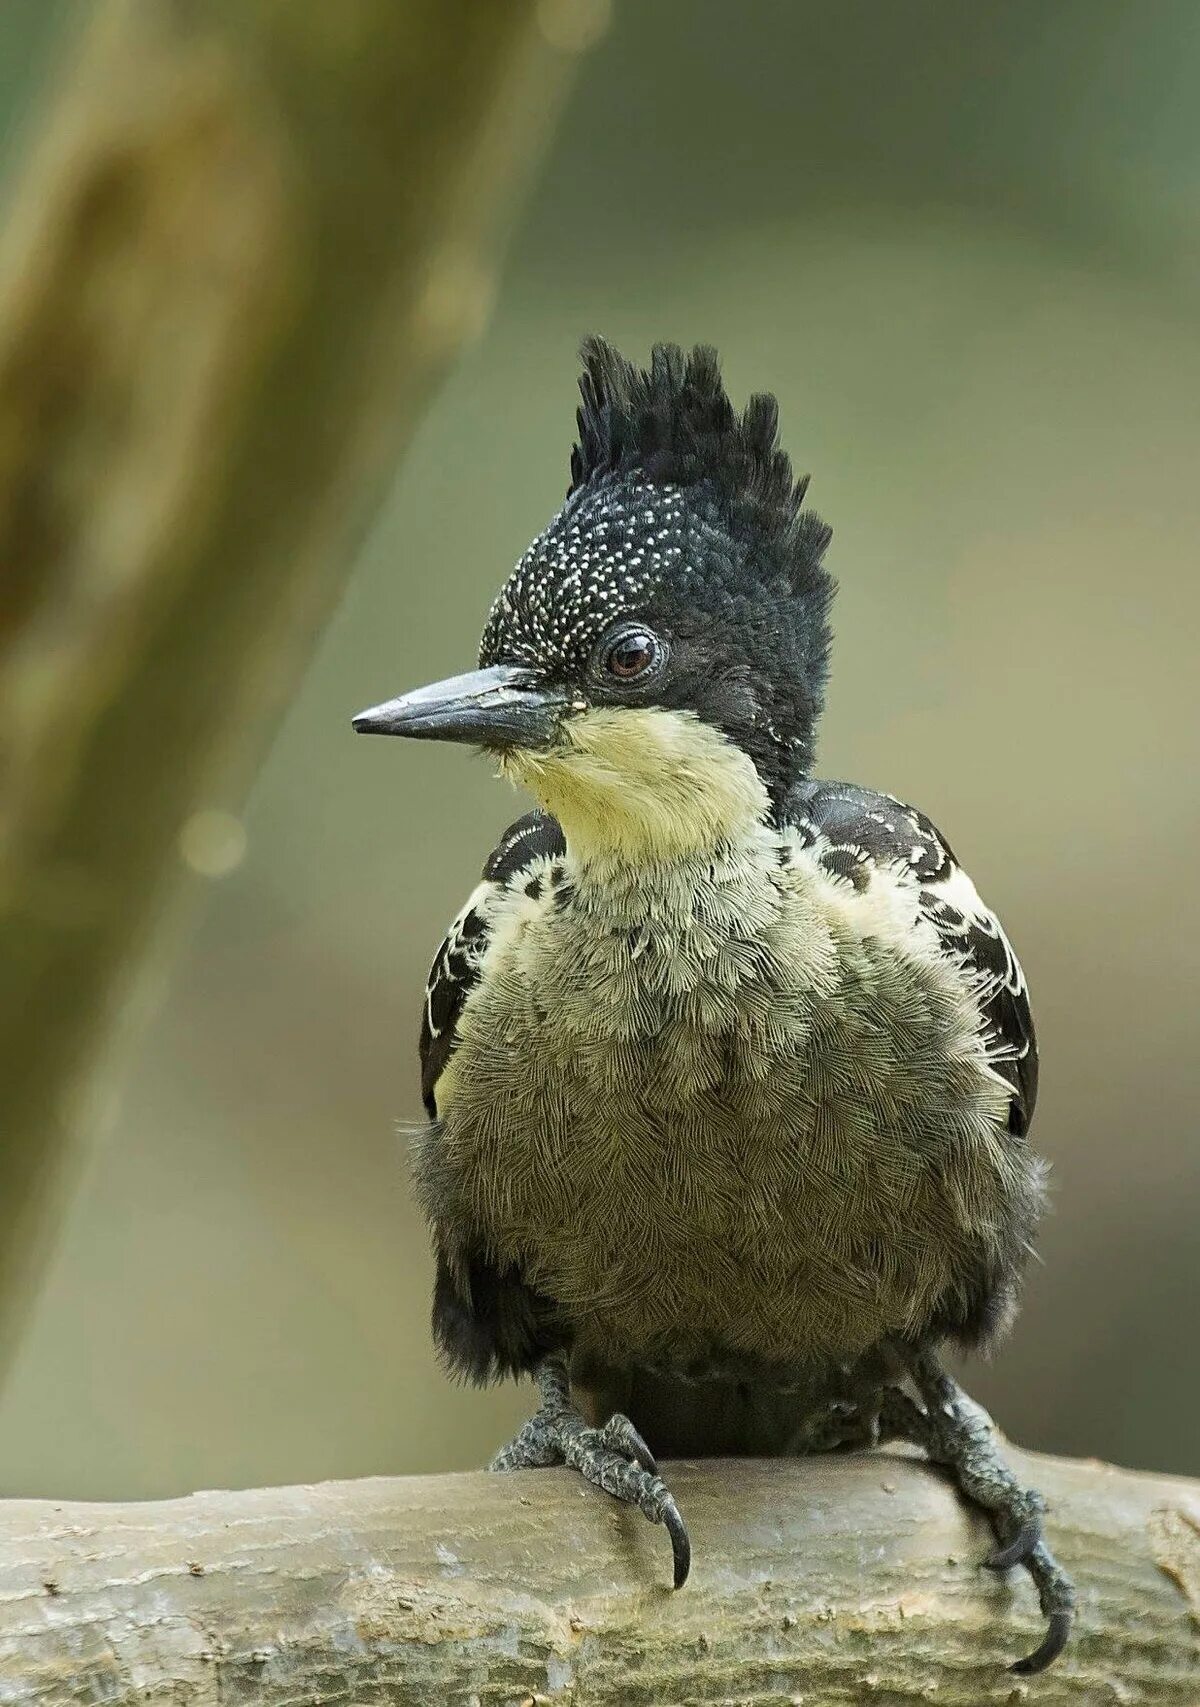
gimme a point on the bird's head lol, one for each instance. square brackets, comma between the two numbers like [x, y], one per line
[654, 667]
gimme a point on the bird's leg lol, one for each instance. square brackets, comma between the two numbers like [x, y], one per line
[957, 1433]
[613, 1457]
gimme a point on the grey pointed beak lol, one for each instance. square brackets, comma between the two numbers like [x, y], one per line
[503, 706]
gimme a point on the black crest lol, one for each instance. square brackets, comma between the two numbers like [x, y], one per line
[673, 424]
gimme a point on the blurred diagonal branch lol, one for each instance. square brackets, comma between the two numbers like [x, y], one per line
[816, 1581]
[249, 237]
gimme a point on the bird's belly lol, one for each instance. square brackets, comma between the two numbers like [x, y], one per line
[752, 1146]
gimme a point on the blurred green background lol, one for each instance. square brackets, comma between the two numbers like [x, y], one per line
[962, 243]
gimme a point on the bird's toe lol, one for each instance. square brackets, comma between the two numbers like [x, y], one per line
[1018, 1549]
[1048, 1649]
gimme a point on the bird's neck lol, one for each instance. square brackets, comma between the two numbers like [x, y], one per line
[635, 789]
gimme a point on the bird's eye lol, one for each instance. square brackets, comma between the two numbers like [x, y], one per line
[631, 654]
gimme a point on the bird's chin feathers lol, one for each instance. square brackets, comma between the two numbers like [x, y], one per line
[642, 785]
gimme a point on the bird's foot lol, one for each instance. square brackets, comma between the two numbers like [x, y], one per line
[958, 1434]
[613, 1457]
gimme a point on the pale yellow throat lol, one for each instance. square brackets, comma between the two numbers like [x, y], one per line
[642, 785]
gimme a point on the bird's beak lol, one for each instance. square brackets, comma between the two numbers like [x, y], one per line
[503, 706]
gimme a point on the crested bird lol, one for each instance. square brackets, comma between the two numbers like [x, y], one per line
[728, 1069]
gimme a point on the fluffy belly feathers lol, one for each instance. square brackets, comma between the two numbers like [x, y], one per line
[741, 1110]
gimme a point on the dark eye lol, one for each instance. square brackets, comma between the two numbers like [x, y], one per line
[632, 654]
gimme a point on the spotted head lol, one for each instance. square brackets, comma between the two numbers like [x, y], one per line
[654, 667]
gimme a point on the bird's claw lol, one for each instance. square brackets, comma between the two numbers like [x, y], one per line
[1056, 1597]
[613, 1457]
[681, 1546]
[1056, 1594]
[957, 1433]
[1048, 1649]
[619, 1435]
[1018, 1549]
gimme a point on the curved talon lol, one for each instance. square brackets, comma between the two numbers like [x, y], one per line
[642, 1452]
[681, 1546]
[1018, 1549]
[957, 1433]
[613, 1458]
[1048, 1650]
[624, 1437]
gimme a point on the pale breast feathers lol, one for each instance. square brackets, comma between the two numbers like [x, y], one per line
[850, 830]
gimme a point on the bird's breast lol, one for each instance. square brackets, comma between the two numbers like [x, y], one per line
[728, 1104]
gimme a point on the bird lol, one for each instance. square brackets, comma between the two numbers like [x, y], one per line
[728, 1070]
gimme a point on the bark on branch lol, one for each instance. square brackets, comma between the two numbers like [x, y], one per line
[247, 240]
[816, 1581]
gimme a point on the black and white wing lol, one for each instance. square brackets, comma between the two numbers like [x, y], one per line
[486, 1321]
[858, 826]
[456, 965]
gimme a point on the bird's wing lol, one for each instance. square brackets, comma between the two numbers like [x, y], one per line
[486, 1321]
[456, 965]
[857, 826]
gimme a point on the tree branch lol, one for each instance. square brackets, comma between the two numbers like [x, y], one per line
[248, 240]
[816, 1581]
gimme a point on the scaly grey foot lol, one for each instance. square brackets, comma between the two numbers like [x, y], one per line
[613, 1457]
[958, 1434]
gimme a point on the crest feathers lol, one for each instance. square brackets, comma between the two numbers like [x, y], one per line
[673, 424]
